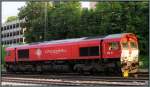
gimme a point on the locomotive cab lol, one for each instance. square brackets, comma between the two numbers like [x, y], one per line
[129, 53]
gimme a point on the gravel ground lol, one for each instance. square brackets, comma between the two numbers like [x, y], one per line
[9, 84]
[73, 86]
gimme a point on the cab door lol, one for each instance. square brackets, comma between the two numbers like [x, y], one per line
[111, 49]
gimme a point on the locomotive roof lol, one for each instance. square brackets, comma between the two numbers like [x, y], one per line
[75, 39]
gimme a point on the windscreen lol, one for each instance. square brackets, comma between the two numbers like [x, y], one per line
[124, 45]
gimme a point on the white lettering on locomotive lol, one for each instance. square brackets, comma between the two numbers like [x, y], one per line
[58, 51]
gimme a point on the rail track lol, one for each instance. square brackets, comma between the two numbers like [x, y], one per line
[97, 75]
[75, 79]
[140, 74]
[75, 82]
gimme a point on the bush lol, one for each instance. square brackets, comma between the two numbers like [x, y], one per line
[3, 55]
[144, 61]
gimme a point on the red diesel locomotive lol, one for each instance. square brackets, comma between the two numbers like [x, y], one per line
[115, 52]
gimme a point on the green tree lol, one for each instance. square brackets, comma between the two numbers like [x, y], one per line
[119, 17]
[3, 54]
[64, 20]
[110, 17]
[34, 14]
[68, 20]
[90, 23]
[11, 18]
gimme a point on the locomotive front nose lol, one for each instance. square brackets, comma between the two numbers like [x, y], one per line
[129, 58]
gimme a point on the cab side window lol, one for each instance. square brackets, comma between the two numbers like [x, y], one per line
[113, 46]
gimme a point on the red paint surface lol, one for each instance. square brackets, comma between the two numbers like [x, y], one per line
[67, 51]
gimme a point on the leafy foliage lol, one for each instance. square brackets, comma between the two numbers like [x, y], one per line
[11, 18]
[34, 14]
[63, 20]
[68, 20]
[3, 55]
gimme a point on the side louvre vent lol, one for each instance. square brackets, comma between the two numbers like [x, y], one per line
[89, 51]
[23, 53]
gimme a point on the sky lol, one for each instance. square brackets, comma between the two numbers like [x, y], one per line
[11, 9]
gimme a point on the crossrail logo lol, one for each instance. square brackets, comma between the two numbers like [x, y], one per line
[38, 52]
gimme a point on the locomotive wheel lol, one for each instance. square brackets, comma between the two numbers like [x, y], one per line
[33, 69]
[107, 71]
[117, 70]
[93, 71]
[14, 69]
[39, 69]
[80, 70]
[8, 69]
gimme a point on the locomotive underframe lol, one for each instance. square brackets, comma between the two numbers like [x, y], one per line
[131, 66]
[80, 66]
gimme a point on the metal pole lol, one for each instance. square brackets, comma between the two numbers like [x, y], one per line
[0, 40]
[45, 27]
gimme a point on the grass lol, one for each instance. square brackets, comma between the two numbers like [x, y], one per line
[144, 61]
